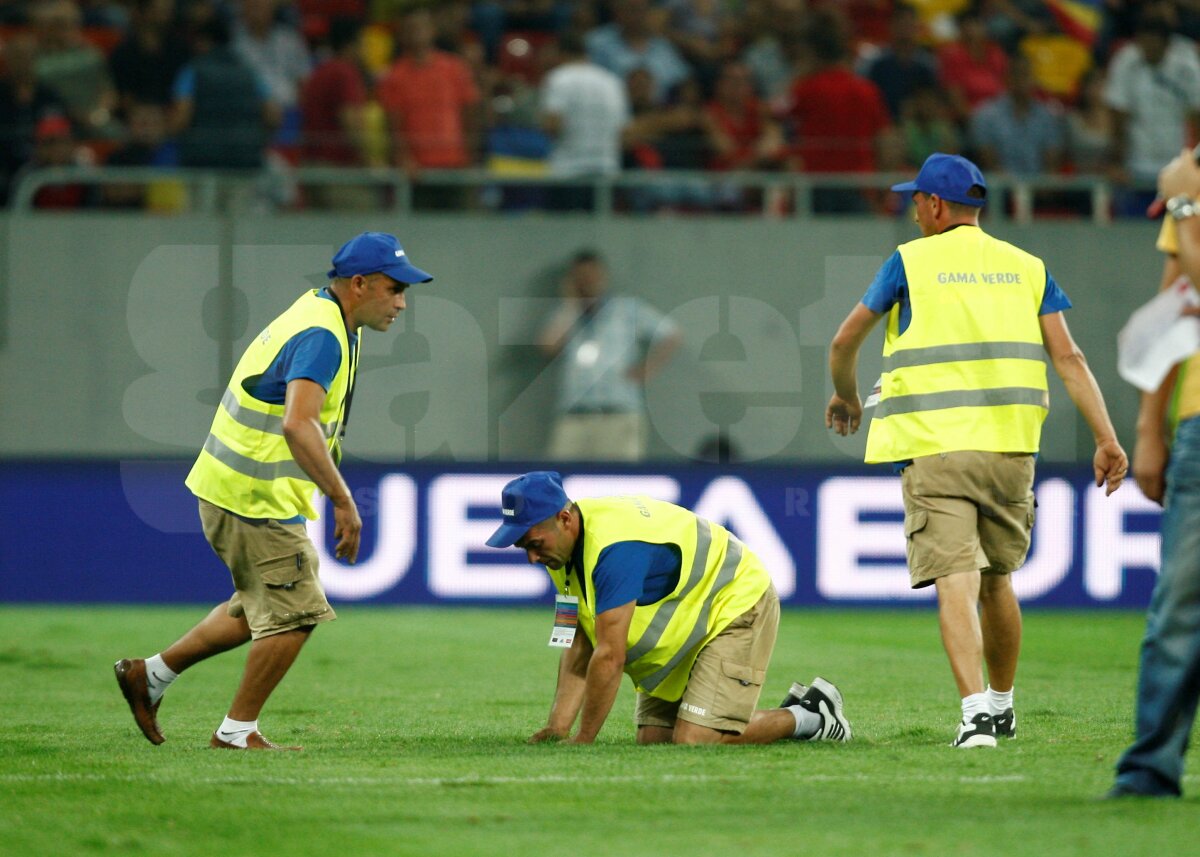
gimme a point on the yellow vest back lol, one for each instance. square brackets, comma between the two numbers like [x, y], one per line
[245, 465]
[969, 371]
[719, 580]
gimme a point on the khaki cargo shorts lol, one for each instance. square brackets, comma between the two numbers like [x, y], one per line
[967, 511]
[726, 680]
[274, 568]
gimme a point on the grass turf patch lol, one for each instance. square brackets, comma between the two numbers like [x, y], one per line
[414, 720]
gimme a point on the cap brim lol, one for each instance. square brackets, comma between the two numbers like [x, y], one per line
[905, 187]
[507, 535]
[406, 273]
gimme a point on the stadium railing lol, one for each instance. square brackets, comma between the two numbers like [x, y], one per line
[633, 192]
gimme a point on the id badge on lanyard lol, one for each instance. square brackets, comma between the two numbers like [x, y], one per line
[566, 621]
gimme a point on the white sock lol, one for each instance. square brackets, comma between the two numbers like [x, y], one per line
[808, 723]
[999, 702]
[976, 703]
[235, 731]
[158, 677]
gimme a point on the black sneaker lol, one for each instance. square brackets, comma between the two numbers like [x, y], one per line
[795, 694]
[826, 700]
[1006, 724]
[979, 732]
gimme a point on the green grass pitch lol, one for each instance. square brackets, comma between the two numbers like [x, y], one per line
[413, 722]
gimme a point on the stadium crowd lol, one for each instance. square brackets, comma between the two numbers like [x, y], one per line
[585, 88]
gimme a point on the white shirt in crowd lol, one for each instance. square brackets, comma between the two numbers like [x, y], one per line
[593, 107]
[1157, 100]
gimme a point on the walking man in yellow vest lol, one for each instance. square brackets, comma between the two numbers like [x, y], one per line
[677, 602]
[275, 439]
[960, 413]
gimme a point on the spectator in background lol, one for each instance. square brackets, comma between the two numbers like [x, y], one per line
[838, 120]
[1009, 21]
[146, 146]
[54, 145]
[742, 133]
[147, 61]
[280, 56]
[333, 100]
[608, 347]
[23, 101]
[705, 34]
[432, 104]
[1014, 132]
[772, 29]
[927, 126]
[973, 67]
[904, 66]
[634, 40]
[584, 109]
[75, 70]
[223, 112]
[1154, 93]
[1090, 127]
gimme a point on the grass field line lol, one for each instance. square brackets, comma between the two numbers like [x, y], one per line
[477, 780]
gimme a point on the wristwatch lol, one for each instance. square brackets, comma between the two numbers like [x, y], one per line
[1182, 207]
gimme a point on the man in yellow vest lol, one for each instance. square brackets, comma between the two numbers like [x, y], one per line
[275, 439]
[960, 413]
[1166, 465]
[677, 602]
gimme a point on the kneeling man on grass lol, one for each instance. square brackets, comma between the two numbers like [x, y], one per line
[677, 602]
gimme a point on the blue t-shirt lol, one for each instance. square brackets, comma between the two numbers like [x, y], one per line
[635, 571]
[890, 287]
[313, 354]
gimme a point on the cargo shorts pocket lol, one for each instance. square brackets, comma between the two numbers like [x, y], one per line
[291, 591]
[738, 692]
[915, 522]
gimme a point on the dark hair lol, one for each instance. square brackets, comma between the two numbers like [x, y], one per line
[571, 43]
[216, 30]
[586, 254]
[343, 31]
[826, 38]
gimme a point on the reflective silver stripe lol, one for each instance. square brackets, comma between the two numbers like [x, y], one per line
[733, 556]
[266, 470]
[662, 617]
[962, 399]
[963, 351]
[250, 418]
[259, 421]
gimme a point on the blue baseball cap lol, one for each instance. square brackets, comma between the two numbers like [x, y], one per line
[376, 253]
[526, 501]
[948, 176]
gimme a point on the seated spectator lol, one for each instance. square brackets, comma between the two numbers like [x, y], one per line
[838, 120]
[1154, 93]
[280, 56]
[584, 109]
[145, 64]
[145, 146]
[432, 104]
[1090, 128]
[904, 66]
[632, 41]
[742, 134]
[223, 112]
[54, 145]
[973, 67]
[1015, 132]
[927, 126]
[75, 70]
[23, 101]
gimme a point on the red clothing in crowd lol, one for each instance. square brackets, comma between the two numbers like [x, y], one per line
[333, 85]
[836, 116]
[977, 79]
[425, 102]
[743, 128]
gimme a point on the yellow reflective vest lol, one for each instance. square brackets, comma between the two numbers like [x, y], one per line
[969, 371]
[719, 580]
[245, 465]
